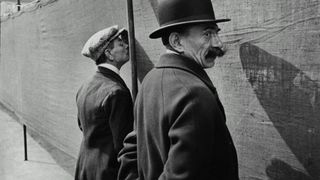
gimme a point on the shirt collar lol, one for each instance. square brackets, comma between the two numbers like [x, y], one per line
[170, 51]
[111, 67]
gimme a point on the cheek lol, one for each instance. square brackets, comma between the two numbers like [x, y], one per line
[123, 50]
[203, 51]
[195, 49]
[205, 48]
[200, 47]
[118, 52]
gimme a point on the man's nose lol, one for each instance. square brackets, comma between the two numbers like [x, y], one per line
[215, 41]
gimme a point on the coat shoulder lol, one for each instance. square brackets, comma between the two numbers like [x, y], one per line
[186, 83]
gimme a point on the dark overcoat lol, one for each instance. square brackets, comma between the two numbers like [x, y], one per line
[180, 127]
[105, 117]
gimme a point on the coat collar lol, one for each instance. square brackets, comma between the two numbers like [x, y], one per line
[109, 73]
[110, 66]
[171, 60]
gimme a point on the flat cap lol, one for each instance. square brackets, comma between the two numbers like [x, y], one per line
[98, 42]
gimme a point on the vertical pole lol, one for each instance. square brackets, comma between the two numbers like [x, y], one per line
[0, 35]
[132, 49]
[25, 142]
[19, 4]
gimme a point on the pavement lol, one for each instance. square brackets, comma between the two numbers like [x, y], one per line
[45, 162]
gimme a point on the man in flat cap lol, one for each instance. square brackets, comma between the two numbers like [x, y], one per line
[104, 106]
[180, 125]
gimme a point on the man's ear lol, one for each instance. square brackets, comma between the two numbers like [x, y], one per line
[175, 42]
[108, 54]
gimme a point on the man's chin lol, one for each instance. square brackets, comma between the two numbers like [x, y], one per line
[127, 57]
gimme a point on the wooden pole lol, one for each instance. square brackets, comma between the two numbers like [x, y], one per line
[25, 143]
[132, 49]
[19, 4]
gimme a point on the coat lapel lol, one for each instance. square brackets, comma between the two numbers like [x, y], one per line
[171, 60]
[110, 74]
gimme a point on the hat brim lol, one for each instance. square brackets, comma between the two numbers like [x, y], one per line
[162, 30]
[122, 30]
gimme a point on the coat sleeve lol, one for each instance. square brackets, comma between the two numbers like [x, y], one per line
[191, 137]
[120, 107]
[128, 158]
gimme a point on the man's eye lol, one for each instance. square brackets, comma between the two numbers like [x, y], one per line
[207, 34]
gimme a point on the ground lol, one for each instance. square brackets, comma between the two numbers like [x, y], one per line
[45, 162]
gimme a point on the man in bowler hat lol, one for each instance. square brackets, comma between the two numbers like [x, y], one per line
[105, 109]
[180, 126]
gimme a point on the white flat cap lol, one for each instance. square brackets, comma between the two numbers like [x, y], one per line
[98, 42]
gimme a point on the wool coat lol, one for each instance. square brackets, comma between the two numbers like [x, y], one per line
[180, 127]
[105, 116]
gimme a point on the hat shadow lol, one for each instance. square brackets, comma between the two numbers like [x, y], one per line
[292, 102]
[279, 170]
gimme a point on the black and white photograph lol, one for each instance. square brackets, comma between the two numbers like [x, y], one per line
[160, 90]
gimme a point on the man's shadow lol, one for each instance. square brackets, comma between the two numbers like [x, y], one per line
[292, 101]
[144, 64]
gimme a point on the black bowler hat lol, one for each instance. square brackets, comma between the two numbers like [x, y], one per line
[172, 13]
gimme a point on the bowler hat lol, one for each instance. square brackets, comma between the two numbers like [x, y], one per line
[172, 13]
[99, 41]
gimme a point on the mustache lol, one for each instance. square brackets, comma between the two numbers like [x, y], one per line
[215, 51]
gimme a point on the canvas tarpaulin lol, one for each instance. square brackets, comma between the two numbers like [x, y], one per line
[268, 81]
[42, 68]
